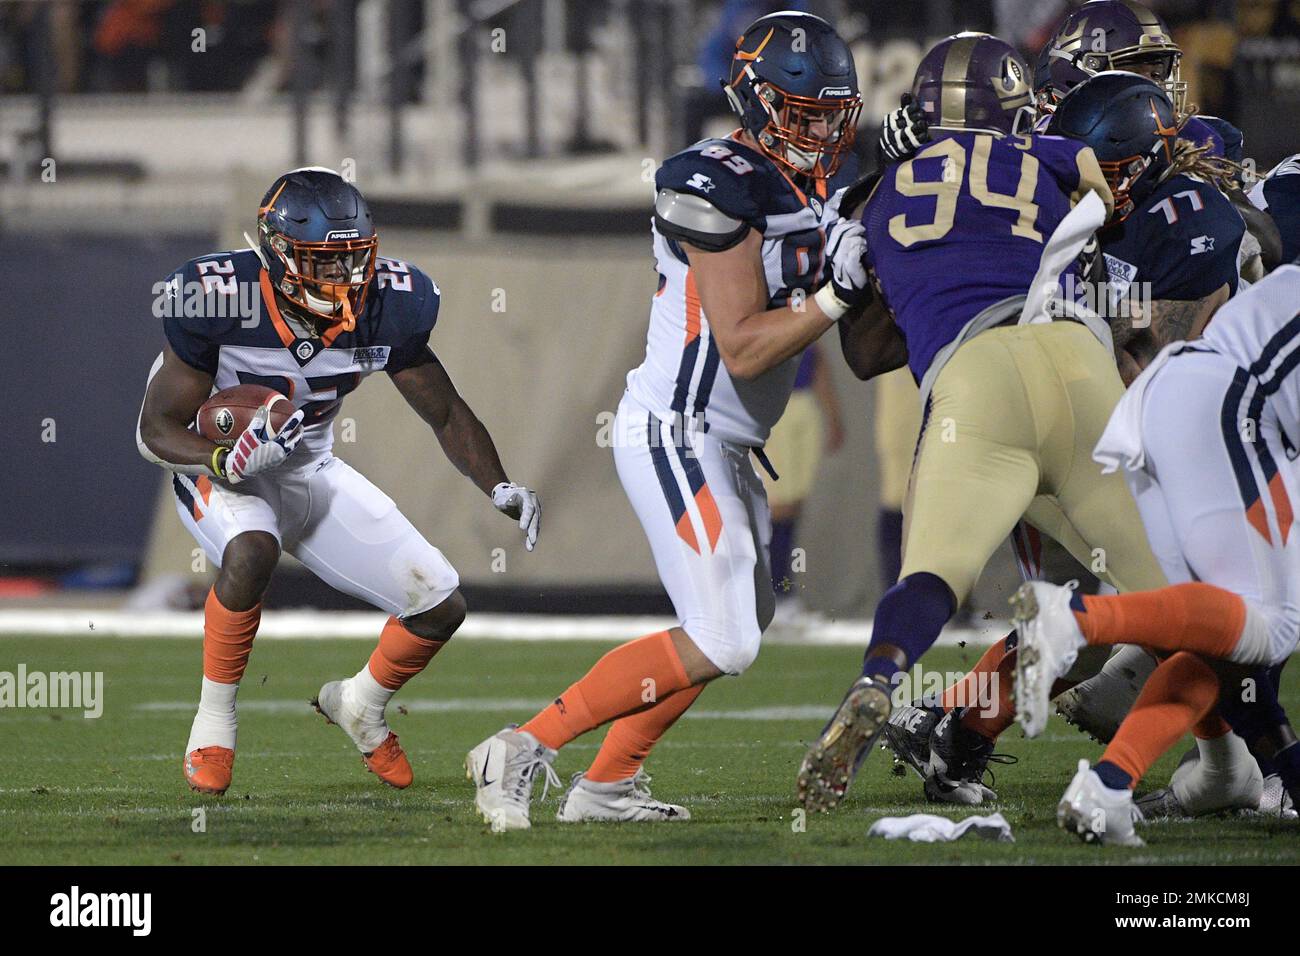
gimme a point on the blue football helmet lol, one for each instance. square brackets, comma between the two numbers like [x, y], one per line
[318, 244]
[795, 89]
[1105, 35]
[1129, 123]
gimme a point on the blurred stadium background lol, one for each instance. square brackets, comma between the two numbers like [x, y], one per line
[507, 147]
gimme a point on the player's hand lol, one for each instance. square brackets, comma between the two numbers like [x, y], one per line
[257, 450]
[903, 131]
[849, 287]
[518, 502]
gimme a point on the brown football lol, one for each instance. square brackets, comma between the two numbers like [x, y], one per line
[224, 416]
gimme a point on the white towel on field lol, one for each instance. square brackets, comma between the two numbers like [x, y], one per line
[929, 828]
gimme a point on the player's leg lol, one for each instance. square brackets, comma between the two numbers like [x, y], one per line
[617, 766]
[697, 504]
[975, 474]
[1098, 804]
[1223, 498]
[238, 531]
[354, 538]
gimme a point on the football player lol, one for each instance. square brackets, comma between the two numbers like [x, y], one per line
[330, 311]
[1202, 438]
[1014, 402]
[746, 229]
[1278, 194]
[1174, 238]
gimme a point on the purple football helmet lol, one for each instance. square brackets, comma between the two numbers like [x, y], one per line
[974, 81]
[1107, 35]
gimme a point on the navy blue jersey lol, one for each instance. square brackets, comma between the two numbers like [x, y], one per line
[220, 316]
[1183, 240]
[1279, 195]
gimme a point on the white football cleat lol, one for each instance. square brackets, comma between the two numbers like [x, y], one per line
[1274, 801]
[1096, 813]
[1048, 642]
[626, 801]
[503, 769]
[1098, 705]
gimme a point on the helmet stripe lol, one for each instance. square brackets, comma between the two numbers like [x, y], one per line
[952, 106]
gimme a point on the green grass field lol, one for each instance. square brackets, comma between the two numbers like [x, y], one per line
[110, 791]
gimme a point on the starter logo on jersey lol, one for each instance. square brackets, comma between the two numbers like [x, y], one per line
[304, 351]
[1202, 244]
[225, 421]
[701, 182]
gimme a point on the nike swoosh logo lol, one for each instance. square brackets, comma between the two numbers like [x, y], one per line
[483, 772]
[666, 811]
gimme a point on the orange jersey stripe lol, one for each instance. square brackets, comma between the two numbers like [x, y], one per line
[692, 308]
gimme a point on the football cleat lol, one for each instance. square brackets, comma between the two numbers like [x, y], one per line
[626, 801]
[386, 760]
[208, 769]
[1098, 705]
[504, 768]
[907, 735]
[1048, 643]
[835, 756]
[1096, 813]
[1274, 801]
[958, 759]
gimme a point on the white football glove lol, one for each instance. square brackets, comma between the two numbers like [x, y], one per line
[849, 286]
[257, 450]
[903, 131]
[518, 502]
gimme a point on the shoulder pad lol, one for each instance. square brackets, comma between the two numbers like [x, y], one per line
[695, 220]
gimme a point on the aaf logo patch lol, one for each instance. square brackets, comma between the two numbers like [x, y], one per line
[816, 205]
[701, 182]
[224, 421]
[305, 350]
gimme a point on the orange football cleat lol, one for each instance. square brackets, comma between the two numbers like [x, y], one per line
[388, 762]
[208, 769]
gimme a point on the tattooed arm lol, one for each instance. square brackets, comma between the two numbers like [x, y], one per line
[1168, 320]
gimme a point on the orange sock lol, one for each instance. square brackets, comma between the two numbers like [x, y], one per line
[1212, 727]
[227, 639]
[998, 665]
[630, 738]
[630, 678]
[1183, 617]
[400, 655]
[1177, 695]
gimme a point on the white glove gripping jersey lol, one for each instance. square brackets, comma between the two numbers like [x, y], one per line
[205, 330]
[683, 380]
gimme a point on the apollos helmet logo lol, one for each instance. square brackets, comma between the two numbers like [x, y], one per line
[225, 421]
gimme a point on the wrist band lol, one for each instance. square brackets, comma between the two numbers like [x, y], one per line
[831, 304]
[218, 466]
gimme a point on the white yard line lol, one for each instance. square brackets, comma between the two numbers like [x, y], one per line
[333, 625]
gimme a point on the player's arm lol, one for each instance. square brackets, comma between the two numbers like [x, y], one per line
[171, 400]
[428, 389]
[872, 344]
[1172, 320]
[733, 294]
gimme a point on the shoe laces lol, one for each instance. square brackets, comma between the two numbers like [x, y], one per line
[522, 768]
[217, 756]
[641, 784]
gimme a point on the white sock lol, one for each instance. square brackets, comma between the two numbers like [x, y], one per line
[371, 698]
[1222, 753]
[215, 723]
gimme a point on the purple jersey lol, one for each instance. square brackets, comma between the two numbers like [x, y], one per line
[961, 227]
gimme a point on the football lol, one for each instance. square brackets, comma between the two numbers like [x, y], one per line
[224, 416]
